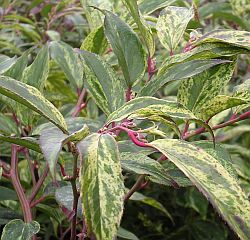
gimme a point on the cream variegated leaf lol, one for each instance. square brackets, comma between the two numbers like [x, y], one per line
[102, 187]
[231, 37]
[109, 85]
[172, 24]
[149, 6]
[142, 25]
[32, 98]
[213, 180]
[6, 63]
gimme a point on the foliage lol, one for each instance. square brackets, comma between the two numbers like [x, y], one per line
[124, 119]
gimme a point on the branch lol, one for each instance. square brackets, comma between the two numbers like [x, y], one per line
[78, 106]
[136, 186]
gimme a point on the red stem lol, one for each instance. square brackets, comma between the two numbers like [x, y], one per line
[78, 106]
[33, 204]
[128, 94]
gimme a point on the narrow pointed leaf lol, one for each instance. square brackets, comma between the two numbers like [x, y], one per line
[64, 55]
[178, 72]
[17, 229]
[213, 180]
[32, 98]
[127, 48]
[102, 188]
[143, 28]
[172, 24]
[149, 6]
[6, 63]
[37, 73]
[232, 37]
[110, 85]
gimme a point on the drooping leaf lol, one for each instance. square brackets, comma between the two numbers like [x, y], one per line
[149, 6]
[213, 180]
[102, 74]
[37, 73]
[18, 230]
[51, 141]
[32, 98]
[123, 233]
[143, 28]
[95, 42]
[142, 164]
[172, 24]
[232, 37]
[64, 55]
[127, 48]
[167, 108]
[178, 72]
[6, 63]
[102, 188]
[151, 202]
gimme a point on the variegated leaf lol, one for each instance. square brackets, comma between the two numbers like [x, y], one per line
[142, 164]
[127, 48]
[167, 108]
[68, 60]
[37, 73]
[149, 6]
[232, 37]
[6, 63]
[213, 180]
[52, 140]
[240, 7]
[178, 72]
[95, 42]
[195, 93]
[172, 24]
[102, 188]
[18, 230]
[143, 28]
[32, 98]
[102, 75]
[217, 105]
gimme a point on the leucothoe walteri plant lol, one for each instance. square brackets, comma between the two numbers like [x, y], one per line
[118, 129]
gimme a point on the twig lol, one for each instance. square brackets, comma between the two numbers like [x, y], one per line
[78, 106]
[136, 186]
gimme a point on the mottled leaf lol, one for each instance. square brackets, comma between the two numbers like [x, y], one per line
[32, 98]
[178, 72]
[213, 180]
[37, 73]
[172, 24]
[102, 188]
[127, 48]
[68, 60]
[103, 75]
[95, 42]
[142, 25]
[232, 37]
[18, 230]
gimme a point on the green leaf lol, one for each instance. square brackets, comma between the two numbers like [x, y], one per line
[7, 194]
[33, 99]
[101, 74]
[151, 202]
[178, 72]
[95, 42]
[212, 179]
[1, 172]
[149, 6]
[102, 188]
[7, 215]
[6, 63]
[143, 28]
[17, 69]
[217, 105]
[150, 104]
[37, 73]
[142, 164]
[172, 24]
[127, 48]
[232, 37]
[123, 233]
[25, 142]
[51, 141]
[64, 55]
[18, 230]
[7, 125]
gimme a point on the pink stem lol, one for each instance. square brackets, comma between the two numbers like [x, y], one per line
[78, 106]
